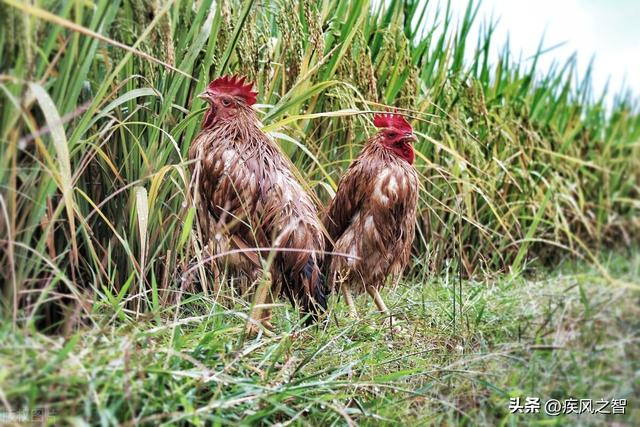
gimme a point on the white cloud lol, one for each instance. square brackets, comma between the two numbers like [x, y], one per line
[607, 29]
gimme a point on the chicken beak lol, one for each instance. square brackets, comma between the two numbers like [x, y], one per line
[204, 95]
[411, 138]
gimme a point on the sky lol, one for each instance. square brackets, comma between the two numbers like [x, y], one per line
[608, 30]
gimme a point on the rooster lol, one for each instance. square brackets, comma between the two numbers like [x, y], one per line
[372, 217]
[248, 199]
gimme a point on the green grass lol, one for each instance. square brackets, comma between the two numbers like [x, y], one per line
[563, 334]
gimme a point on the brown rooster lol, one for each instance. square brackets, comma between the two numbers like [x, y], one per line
[372, 217]
[248, 197]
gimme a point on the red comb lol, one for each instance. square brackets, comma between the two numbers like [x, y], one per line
[392, 120]
[234, 85]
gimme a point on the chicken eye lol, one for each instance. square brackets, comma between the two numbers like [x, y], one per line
[392, 135]
[226, 102]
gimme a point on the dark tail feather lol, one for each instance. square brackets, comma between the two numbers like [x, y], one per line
[313, 303]
[326, 270]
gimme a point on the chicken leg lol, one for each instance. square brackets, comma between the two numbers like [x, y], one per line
[349, 299]
[260, 314]
[382, 307]
[265, 320]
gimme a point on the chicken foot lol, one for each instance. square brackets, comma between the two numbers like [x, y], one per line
[382, 307]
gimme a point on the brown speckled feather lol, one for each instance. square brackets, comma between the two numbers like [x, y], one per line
[372, 217]
[247, 191]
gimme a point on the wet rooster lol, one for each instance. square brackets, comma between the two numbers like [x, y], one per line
[248, 197]
[372, 217]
